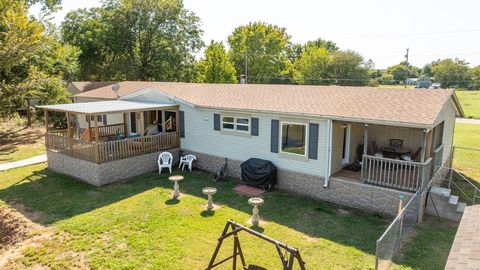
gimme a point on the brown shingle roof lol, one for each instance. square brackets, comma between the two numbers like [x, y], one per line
[413, 106]
[85, 86]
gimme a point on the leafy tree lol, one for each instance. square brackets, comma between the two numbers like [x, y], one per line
[33, 61]
[216, 67]
[348, 68]
[262, 47]
[427, 70]
[312, 67]
[399, 72]
[452, 73]
[135, 40]
[475, 77]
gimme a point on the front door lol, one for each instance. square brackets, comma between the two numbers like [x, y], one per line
[346, 144]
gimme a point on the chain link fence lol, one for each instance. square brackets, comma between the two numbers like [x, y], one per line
[390, 241]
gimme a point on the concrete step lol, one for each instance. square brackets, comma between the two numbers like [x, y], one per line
[445, 192]
[461, 207]
[453, 199]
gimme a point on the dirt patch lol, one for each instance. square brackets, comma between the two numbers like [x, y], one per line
[13, 227]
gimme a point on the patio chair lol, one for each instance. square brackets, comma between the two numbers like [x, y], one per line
[165, 161]
[187, 160]
[412, 157]
[376, 152]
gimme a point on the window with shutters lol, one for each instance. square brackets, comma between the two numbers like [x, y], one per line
[294, 138]
[238, 124]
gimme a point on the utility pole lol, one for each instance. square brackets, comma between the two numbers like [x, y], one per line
[246, 65]
[406, 66]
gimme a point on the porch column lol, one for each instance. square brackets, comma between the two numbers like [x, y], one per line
[69, 126]
[97, 135]
[424, 146]
[365, 139]
[89, 131]
[125, 127]
[45, 115]
[177, 125]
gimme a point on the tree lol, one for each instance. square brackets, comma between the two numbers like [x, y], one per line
[136, 40]
[348, 68]
[215, 66]
[33, 62]
[296, 49]
[262, 48]
[475, 77]
[312, 67]
[399, 72]
[452, 73]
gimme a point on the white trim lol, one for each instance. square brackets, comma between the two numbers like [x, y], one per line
[348, 130]
[157, 91]
[328, 160]
[305, 141]
[234, 123]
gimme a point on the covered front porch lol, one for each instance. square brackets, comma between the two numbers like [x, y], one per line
[402, 158]
[111, 130]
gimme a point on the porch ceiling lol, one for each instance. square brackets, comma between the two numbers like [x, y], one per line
[105, 107]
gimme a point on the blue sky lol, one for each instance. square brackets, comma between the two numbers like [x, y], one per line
[380, 30]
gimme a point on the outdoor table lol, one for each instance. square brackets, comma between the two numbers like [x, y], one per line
[396, 151]
[255, 202]
[175, 179]
[209, 191]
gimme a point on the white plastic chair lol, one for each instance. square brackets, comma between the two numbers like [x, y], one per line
[187, 160]
[165, 161]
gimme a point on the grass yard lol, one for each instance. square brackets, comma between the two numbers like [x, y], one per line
[470, 101]
[467, 161]
[19, 142]
[136, 225]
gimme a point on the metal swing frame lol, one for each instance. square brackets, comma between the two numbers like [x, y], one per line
[287, 254]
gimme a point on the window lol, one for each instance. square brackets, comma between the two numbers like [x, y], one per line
[240, 124]
[294, 138]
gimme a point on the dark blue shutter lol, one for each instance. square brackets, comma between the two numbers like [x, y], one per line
[216, 121]
[274, 136]
[313, 141]
[182, 124]
[254, 130]
[104, 119]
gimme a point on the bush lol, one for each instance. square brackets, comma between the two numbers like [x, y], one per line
[373, 83]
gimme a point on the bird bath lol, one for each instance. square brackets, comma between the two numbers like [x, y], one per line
[255, 202]
[176, 190]
[209, 191]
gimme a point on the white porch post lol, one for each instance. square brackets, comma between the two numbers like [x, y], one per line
[365, 139]
[328, 160]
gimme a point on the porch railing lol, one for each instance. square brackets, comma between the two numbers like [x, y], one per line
[103, 132]
[112, 150]
[398, 174]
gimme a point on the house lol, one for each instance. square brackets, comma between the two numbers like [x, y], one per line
[323, 139]
[84, 86]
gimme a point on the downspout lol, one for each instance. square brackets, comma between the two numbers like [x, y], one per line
[328, 168]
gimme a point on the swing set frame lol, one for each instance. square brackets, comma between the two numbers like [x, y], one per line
[287, 254]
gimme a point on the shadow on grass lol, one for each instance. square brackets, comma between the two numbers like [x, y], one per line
[60, 197]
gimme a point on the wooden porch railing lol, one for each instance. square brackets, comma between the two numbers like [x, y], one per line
[112, 150]
[398, 174]
[103, 132]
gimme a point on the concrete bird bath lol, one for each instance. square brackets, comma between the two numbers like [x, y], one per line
[209, 191]
[255, 202]
[176, 190]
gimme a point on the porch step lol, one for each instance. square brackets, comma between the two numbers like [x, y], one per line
[445, 192]
[461, 207]
[453, 199]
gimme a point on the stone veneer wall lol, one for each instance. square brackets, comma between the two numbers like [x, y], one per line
[108, 172]
[344, 192]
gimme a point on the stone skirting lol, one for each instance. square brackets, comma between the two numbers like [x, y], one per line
[108, 172]
[345, 192]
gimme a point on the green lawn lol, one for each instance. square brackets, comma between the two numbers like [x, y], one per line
[396, 86]
[19, 142]
[467, 161]
[135, 225]
[470, 101]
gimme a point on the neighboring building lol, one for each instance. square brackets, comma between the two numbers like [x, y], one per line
[313, 134]
[80, 87]
[411, 81]
[424, 82]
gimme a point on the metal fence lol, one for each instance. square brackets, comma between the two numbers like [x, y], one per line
[390, 241]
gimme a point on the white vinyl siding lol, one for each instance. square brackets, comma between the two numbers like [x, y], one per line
[201, 137]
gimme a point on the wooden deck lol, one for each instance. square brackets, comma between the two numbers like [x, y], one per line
[111, 150]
